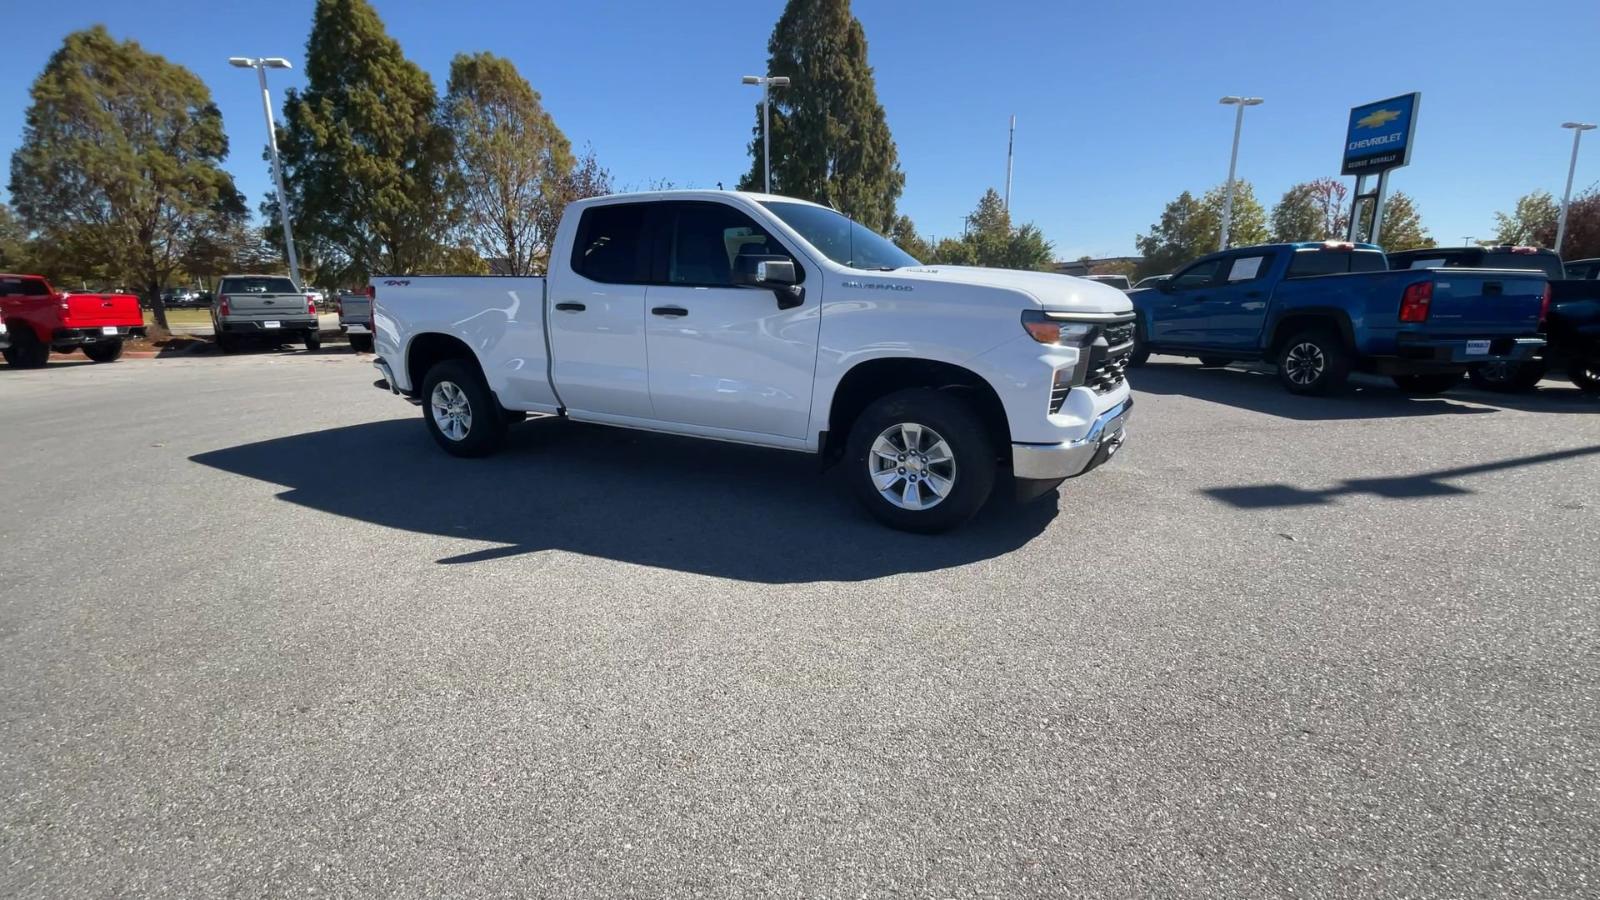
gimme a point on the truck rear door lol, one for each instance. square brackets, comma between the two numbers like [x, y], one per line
[101, 310]
[263, 297]
[1484, 302]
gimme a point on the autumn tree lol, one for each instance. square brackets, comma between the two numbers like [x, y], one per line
[1312, 211]
[510, 160]
[830, 138]
[1532, 223]
[119, 171]
[1402, 224]
[365, 155]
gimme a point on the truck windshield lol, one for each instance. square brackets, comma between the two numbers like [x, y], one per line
[839, 239]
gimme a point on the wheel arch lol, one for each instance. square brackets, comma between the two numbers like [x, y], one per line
[871, 379]
[428, 349]
[1296, 320]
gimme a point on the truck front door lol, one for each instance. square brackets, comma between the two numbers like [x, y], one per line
[1183, 306]
[723, 355]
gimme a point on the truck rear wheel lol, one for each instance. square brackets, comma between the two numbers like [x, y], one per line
[1313, 362]
[461, 411]
[1585, 373]
[920, 460]
[104, 351]
[1507, 377]
[1427, 384]
[26, 351]
[313, 341]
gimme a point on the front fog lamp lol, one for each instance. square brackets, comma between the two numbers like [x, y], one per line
[1046, 330]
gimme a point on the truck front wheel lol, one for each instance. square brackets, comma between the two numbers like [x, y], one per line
[1313, 362]
[104, 351]
[920, 460]
[460, 410]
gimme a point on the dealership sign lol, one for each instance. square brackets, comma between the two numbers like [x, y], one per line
[1379, 136]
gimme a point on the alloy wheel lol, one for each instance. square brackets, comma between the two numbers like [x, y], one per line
[912, 466]
[451, 410]
[1305, 363]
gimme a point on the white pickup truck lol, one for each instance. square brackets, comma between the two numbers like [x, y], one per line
[770, 321]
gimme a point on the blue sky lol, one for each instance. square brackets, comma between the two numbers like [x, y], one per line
[1116, 102]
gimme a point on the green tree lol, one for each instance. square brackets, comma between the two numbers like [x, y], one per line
[365, 155]
[119, 170]
[235, 246]
[1186, 230]
[904, 234]
[1402, 224]
[1532, 223]
[15, 253]
[1311, 211]
[991, 240]
[1249, 223]
[830, 140]
[510, 160]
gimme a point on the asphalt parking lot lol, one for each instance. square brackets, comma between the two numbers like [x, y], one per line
[259, 637]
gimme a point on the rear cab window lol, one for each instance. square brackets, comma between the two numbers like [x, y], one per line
[1548, 263]
[264, 284]
[23, 287]
[1313, 261]
[611, 246]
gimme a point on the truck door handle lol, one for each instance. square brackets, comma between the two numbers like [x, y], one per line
[571, 307]
[669, 311]
[1252, 294]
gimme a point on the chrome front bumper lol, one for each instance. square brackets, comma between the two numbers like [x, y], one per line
[1053, 462]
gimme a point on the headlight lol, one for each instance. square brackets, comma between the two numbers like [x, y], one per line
[1046, 330]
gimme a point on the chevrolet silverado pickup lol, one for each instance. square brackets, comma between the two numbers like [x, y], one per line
[39, 319]
[1572, 324]
[1322, 310]
[770, 321]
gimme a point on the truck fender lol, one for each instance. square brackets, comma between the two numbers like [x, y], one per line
[1283, 322]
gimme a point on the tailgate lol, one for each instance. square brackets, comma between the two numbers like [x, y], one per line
[354, 310]
[1485, 302]
[263, 306]
[98, 310]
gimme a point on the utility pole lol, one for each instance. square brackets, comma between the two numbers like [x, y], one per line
[767, 84]
[1011, 142]
[1578, 128]
[261, 65]
[1233, 160]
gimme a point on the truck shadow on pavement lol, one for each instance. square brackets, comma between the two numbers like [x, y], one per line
[1406, 487]
[655, 500]
[1257, 389]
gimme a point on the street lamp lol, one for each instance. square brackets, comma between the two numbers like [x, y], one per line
[261, 65]
[1233, 161]
[1578, 128]
[767, 84]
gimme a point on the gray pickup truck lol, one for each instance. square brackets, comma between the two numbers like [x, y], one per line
[355, 319]
[264, 308]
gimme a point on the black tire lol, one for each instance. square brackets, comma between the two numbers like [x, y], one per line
[937, 414]
[1585, 373]
[485, 427]
[313, 342]
[104, 351]
[26, 352]
[1313, 362]
[1432, 383]
[1507, 377]
[1141, 350]
[227, 343]
[361, 343]
[1215, 362]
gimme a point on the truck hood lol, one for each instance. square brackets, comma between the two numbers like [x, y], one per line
[1057, 293]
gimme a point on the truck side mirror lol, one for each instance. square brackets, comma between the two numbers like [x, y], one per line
[763, 270]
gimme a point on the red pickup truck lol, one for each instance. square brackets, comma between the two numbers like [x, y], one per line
[39, 318]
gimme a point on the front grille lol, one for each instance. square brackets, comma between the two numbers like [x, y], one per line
[1111, 372]
[1102, 366]
[1058, 395]
[1118, 334]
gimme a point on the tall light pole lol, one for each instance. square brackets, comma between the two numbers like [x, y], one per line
[261, 65]
[1233, 161]
[1578, 128]
[767, 84]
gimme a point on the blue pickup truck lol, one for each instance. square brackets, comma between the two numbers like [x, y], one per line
[1322, 310]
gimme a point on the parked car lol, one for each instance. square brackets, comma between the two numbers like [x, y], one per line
[1572, 325]
[263, 307]
[39, 318]
[779, 323]
[1322, 310]
[355, 319]
[179, 298]
[1150, 281]
[1120, 282]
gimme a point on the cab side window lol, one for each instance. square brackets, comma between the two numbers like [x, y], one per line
[703, 240]
[611, 246]
[1198, 275]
